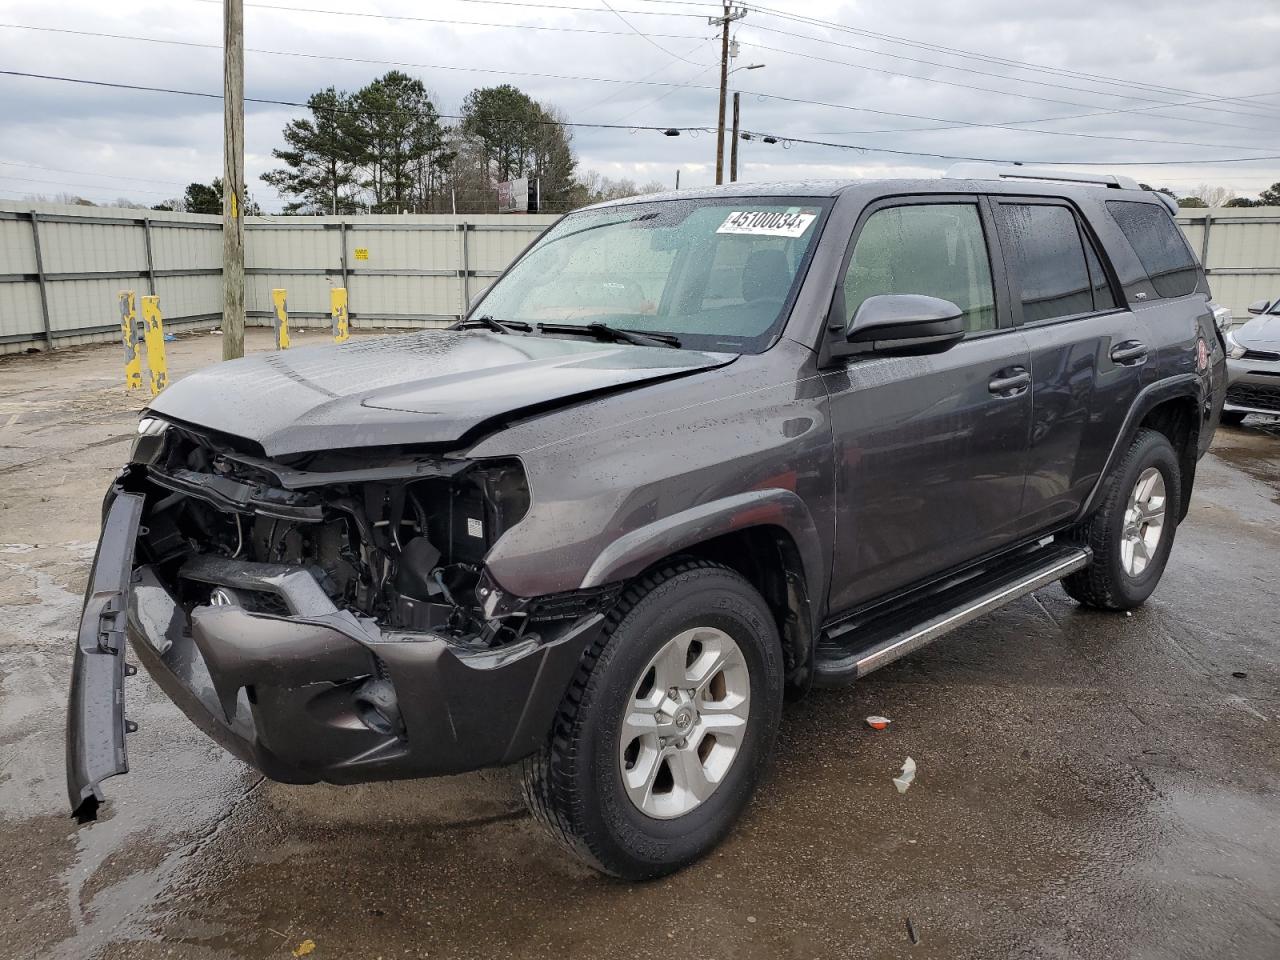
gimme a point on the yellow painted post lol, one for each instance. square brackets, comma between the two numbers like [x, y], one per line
[129, 334]
[338, 312]
[153, 335]
[281, 322]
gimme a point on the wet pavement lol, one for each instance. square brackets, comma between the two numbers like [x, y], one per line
[1089, 785]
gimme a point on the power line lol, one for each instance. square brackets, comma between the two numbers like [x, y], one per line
[561, 6]
[88, 173]
[339, 58]
[85, 186]
[786, 141]
[999, 76]
[409, 18]
[768, 96]
[636, 127]
[269, 101]
[648, 39]
[499, 3]
[1071, 116]
[972, 55]
[996, 126]
[648, 76]
[801, 36]
[821, 40]
[1014, 93]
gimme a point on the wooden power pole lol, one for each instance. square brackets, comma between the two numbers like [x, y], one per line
[733, 149]
[232, 179]
[730, 15]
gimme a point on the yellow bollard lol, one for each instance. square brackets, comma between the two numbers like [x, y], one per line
[281, 322]
[129, 334]
[338, 311]
[153, 335]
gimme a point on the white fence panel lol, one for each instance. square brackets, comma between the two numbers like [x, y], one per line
[399, 271]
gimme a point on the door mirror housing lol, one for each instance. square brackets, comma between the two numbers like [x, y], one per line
[1259, 307]
[904, 324]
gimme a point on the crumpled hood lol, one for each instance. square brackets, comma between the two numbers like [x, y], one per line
[1260, 332]
[426, 388]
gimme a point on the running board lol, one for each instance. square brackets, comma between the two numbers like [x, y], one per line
[853, 648]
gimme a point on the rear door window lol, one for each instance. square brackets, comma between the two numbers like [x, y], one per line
[1044, 250]
[1159, 244]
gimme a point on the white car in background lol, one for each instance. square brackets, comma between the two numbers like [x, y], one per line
[1253, 364]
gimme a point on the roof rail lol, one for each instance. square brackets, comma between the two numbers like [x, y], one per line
[995, 171]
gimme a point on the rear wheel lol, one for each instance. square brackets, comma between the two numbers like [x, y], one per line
[667, 726]
[1232, 418]
[1132, 532]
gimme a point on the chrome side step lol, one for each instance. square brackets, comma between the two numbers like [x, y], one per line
[850, 651]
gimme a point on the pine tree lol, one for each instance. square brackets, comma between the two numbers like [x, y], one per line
[321, 156]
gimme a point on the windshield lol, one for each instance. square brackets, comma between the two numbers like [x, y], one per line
[717, 274]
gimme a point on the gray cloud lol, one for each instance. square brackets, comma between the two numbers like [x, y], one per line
[162, 142]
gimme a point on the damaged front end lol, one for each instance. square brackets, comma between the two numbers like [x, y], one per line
[324, 617]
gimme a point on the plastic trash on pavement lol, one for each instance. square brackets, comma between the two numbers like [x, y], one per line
[877, 722]
[908, 774]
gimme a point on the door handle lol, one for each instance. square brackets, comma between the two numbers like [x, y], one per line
[1129, 353]
[1010, 383]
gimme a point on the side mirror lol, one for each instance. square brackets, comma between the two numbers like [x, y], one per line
[905, 324]
[1259, 307]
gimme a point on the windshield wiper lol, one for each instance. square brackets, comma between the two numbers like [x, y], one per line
[602, 331]
[497, 326]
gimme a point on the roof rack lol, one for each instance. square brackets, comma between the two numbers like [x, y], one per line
[993, 171]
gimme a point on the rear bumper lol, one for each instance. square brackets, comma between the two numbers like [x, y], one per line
[317, 694]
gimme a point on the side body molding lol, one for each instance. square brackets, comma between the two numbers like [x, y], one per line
[634, 551]
[1151, 396]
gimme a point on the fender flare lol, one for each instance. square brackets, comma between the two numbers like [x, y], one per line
[1149, 397]
[638, 549]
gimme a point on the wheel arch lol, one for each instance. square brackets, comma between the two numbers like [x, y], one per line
[767, 536]
[1172, 407]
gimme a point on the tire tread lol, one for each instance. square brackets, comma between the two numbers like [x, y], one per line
[546, 786]
[1095, 586]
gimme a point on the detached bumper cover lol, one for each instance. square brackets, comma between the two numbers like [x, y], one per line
[292, 694]
[95, 712]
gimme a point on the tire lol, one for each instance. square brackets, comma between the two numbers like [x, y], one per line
[1232, 418]
[575, 786]
[1108, 583]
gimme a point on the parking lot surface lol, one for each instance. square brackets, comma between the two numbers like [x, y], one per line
[1089, 785]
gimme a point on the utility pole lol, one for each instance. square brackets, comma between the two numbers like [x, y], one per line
[733, 149]
[232, 179]
[730, 14]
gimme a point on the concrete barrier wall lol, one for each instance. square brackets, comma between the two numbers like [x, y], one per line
[61, 266]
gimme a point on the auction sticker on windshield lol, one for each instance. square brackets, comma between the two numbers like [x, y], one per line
[767, 223]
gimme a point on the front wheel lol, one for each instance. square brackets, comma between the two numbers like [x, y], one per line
[1131, 533]
[667, 726]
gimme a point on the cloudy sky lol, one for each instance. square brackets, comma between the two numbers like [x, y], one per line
[1032, 80]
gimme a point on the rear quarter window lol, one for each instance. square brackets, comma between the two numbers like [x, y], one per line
[1159, 244]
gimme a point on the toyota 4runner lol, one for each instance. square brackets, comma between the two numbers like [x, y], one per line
[690, 456]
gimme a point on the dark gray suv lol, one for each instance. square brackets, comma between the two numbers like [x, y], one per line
[690, 456]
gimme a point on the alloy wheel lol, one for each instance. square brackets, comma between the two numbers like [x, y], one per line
[684, 723]
[1143, 522]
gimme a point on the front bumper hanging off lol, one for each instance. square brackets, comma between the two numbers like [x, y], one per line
[314, 694]
[95, 712]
